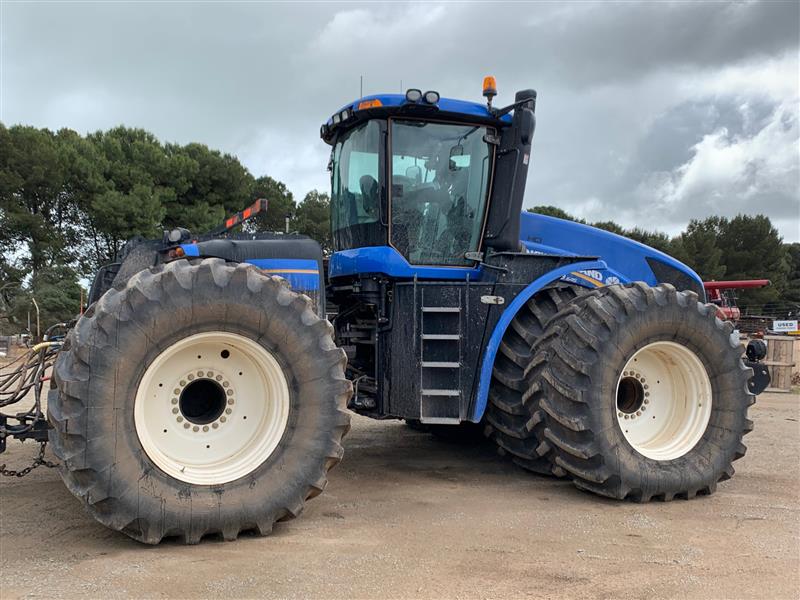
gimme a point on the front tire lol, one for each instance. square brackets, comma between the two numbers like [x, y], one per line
[644, 393]
[202, 398]
[514, 420]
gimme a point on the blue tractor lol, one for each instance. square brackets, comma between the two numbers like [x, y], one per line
[206, 389]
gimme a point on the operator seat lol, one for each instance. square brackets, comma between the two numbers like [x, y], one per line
[369, 194]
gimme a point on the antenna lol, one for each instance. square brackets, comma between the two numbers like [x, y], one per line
[401, 86]
[361, 88]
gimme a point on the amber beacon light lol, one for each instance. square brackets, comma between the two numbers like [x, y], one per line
[489, 88]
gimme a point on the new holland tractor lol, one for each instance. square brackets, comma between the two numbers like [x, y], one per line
[206, 388]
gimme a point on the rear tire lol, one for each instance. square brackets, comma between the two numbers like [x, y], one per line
[513, 418]
[153, 389]
[645, 393]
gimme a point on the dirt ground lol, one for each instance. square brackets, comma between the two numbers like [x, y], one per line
[410, 516]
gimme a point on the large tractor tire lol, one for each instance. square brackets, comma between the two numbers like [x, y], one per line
[202, 398]
[514, 420]
[645, 393]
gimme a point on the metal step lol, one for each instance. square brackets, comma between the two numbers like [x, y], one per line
[441, 336]
[441, 393]
[436, 364]
[440, 420]
[441, 309]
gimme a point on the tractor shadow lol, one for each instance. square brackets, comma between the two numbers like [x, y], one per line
[390, 452]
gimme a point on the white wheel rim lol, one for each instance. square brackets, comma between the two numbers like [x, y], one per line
[211, 408]
[663, 400]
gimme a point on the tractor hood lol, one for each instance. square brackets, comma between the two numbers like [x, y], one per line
[627, 259]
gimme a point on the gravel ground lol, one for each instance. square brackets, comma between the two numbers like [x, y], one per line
[410, 516]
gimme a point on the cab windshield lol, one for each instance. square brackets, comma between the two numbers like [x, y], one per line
[439, 174]
[440, 178]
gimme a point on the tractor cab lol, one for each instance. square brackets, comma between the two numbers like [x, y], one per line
[426, 194]
[413, 179]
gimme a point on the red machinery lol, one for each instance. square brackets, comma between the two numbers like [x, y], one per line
[726, 303]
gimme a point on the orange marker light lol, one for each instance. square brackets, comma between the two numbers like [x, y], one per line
[375, 103]
[489, 87]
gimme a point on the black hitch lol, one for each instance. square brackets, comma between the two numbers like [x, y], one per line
[755, 352]
[760, 379]
[28, 427]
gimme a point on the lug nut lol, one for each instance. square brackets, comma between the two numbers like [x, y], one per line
[223, 419]
[175, 411]
[190, 377]
[228, 411]
[230, 400]
[215, 425]
[183, 382]
[218, 377]
[230, 392]
[176, 391]
[180, 419]
[195, 428]
[205, 427]
[186, 426]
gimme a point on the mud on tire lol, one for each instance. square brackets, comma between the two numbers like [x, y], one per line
[103, 361]
[583, 354]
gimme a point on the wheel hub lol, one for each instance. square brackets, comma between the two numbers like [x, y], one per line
[211, 408]
[663, 400]
[202, 401]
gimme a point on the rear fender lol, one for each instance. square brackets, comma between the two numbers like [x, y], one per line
[490, 353]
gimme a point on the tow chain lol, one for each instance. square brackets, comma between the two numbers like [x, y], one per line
[38, 462]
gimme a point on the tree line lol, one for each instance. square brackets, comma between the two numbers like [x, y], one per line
[68, 202]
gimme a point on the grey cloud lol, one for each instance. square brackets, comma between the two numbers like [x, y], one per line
[624, 88]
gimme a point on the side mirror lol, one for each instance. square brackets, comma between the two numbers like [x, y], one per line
[454, 164]
[414, 172]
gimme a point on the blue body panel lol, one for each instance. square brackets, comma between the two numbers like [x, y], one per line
[389, 262]
[490, 352]
[624, 257]
[301, 273]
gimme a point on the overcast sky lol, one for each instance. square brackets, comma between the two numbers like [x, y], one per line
[649, 114]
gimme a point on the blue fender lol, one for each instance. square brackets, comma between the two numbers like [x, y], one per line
[505, 320]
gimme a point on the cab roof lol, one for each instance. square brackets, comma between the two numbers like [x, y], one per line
[385, 105]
